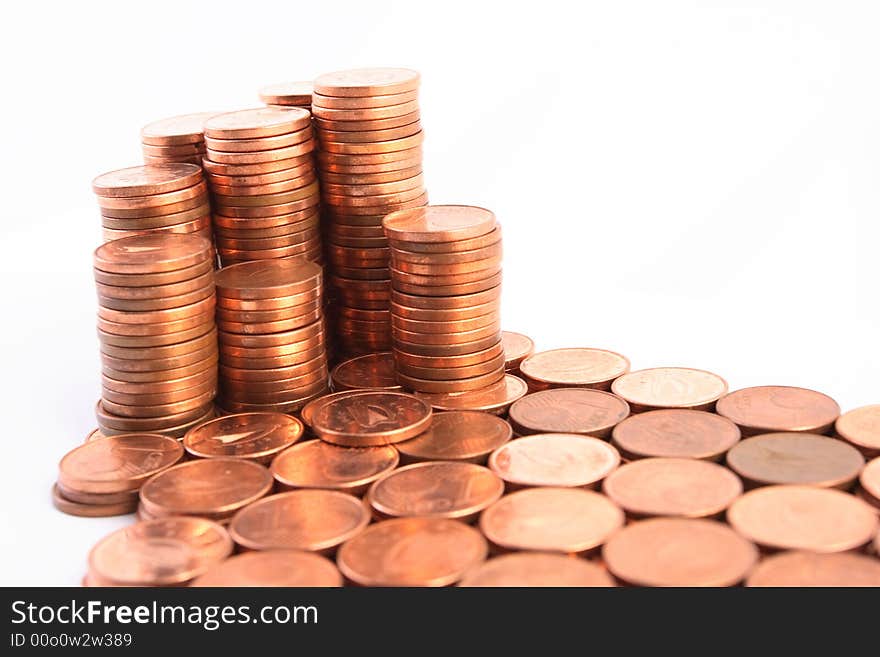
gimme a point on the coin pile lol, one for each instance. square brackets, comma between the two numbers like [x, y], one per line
[177, 139]
[370, 164]
[263, 186]
[156, 198]
[157, 333]
[288, 94]
[446, 296]
[271, 334]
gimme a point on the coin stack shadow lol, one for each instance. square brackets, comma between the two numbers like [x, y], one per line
[271, 335]
[445, 298]
[370, 164]
[264, 190]
[155, 198]
[176, 139]
[157, 333]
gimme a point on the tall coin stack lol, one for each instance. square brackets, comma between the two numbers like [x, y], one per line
[370, 164]
[263, 185]
[155, 198]
[157, 333]
[177, 139]
[445, 298]
[271, 334]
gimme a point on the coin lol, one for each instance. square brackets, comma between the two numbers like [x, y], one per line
[183, 129]
[268, 279]
[162, 552]
[296, 94]
[672, 487]
[861, 427]
[256, 436]
[670, 387]
[438, 223]
[869, 480]
[212, 488]
[468, 436]
[452, 385]
[496, 398]
[568, 410]
[542, 569]
[554, 459]
[816, 569]
[447, 489]
[679, 552]
[412, 552]
[91, 510]
[312, 520]
[364, 418]
[675, 432]
[796, 458]
[149, 254]
[366, 82]
[368, 372]
[517, 347]
[765, 409]
[145, 181]
[288, 568]
[367, 125]
[570, 520]
[255, 123]
[803, 518]
[259, 143]
[362, 102]
[316, 464]
[573, 368]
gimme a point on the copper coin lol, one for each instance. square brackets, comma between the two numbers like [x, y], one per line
[765, 409]
[445, 326]
[458, 267]
[670, 387]
[412, 552]
[447, 489]
[554, 459]
[573, 368]
[438, 223]
[195, 405]
[679, 552]
[861, 427]
[91, 510]
[288, 568]
[183, 129]
[170, 277]
[366, 136]
[796, 458]
[494, 364]
[102, 499]
[803, 518]
[198, 283]
[365, 113]
[193, 197]
[212, 488]
[869, 479]
[496, 398]
[166, 303]
[154, 253]
[316, 464]
[364, 418]
[283, 154]
[297, 94]
[253, 189]
[118, 463]
[173, 219]
[812, 569]
[305, 169]
[254, 123]
[371, 147]
[468, 436]
[268, 279]
[161, 552]
[340, 162]
[269, 374]
[265, 199]
[271, 339]
[270, 314]
[540, 569]
[94, 434]
[491, 331]
[378, 201]
[365, 125]
[312, 520]
[176, 430]
[258, 168]
[385, 165]
[448, 249]
[475, 300]
[169, 152]
[517, 347]
[137, 203]
[172, 399]
[675, 433]
[159, 424]
[194, 325]
[310, 408]
[454, 279]
[435, 290]
[451, 385]
[255, 436]
[474, 358]
[258, 143]
[368, 372]
[364, 101]
[569, 520]
[672, 487]
[568, 410]
[146, 180]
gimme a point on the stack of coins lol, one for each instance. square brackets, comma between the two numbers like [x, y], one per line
[271, 333]
[157, 333]
[288, 94]
[157, 198]
[446, 295]
[370, 164]
[263, 185]
[178, 139]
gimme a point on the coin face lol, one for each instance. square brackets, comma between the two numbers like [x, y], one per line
[554, 459]
[367, 372]
[803, 518]
[313, 520]
[815, 569]
[670, 387]
[152, 253]
[767, 409]
[680, 433]
[568, 410]
[255, 123]
[146, 180]
[552, 520]
[672, 487]
[367, 82]
[574, 368]
[679, 552]
[256, 436]
[861, 427]
[438, 223]
[412, 552]
[458, 436]
[537, 569]
[365, 418]
[796, 458]
[183, 129]
[495, 398]
[266, 279]
[446, 489]
[288, 568]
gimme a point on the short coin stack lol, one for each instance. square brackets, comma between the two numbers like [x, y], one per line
[177, 139]
[156, 198]
[265, 193]
[370, 164]
[271, 333]
[445, 300]
[157, 333]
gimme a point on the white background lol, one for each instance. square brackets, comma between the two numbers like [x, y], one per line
[687, 183]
